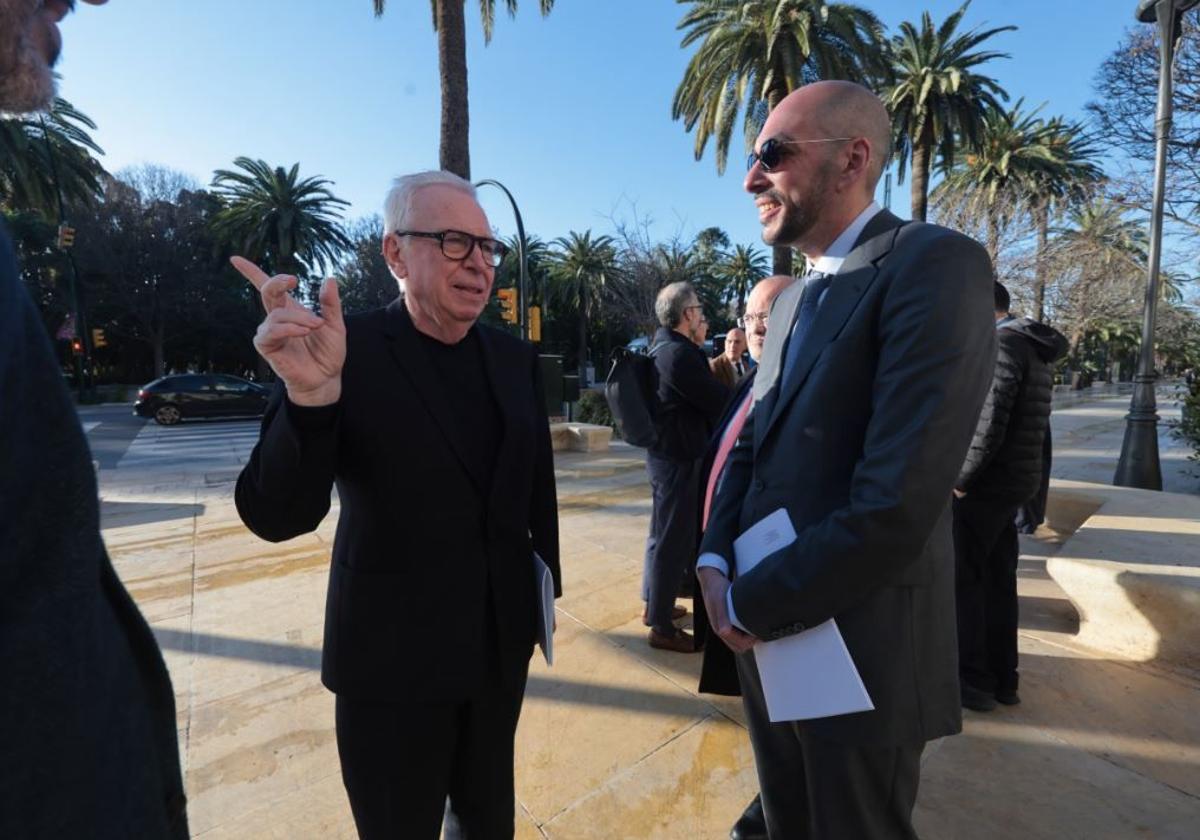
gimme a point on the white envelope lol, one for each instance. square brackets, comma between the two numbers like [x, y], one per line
[544, 583]
[810, 674]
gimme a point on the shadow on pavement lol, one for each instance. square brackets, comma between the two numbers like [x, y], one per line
[125, 514]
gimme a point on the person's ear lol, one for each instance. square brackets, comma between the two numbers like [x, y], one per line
[395, 257]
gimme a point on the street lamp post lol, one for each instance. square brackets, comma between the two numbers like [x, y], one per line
[1139, 465]
[523, 281]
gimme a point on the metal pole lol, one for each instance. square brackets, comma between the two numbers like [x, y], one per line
[523, 281]
[1139, 463]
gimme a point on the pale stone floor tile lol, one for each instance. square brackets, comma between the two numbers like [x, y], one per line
[1136, 717]
[1038, 787]
[614, 740]
[319, 811]
[595, 712]
[688, 788]
[605, 607]
[259, 746]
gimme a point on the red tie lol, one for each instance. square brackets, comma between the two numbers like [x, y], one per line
[727, 441]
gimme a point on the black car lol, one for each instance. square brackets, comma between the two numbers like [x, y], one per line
[172, 398]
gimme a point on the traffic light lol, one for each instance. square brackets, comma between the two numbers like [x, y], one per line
[98, 339]
[535, 323]
[77, 346]
[66, 236]
[508, 304]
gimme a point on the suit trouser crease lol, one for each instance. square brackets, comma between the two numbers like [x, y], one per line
[408, 765]
[671, 546]
[818, 789]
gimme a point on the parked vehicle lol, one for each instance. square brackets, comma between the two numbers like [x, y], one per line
[173, 398]
[641, 345]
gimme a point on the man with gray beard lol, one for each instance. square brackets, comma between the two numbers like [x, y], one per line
[87, 713]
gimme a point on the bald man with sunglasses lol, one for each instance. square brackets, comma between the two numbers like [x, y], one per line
[434, 429]
[872, 377]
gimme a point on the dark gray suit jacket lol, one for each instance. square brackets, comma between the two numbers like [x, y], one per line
[862, 446]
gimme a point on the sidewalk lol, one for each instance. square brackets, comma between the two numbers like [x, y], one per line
[614, 741]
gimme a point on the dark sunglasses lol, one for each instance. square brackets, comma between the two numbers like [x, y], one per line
[772, 151]
[457, 245]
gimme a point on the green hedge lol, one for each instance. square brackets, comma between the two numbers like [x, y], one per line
[593, 408]
[1188, 428]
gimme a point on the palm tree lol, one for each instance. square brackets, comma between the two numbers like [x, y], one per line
[1073, 176]
[937, 101]
[1112, 243]
[582, 267]
[273, 217]
[1106, 253]
[41, 155]
[1014, 155]
[454, 153]
[753, 53]
[1107, 245]
[740, 271]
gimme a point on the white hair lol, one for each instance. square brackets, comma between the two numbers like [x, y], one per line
[398, 203]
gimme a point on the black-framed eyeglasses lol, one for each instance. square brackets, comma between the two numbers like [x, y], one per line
[748, 321]
[458, 245]
[773, 151]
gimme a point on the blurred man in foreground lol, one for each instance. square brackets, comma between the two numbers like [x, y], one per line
[88, 743]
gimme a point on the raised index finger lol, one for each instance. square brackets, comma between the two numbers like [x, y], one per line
[250, 271]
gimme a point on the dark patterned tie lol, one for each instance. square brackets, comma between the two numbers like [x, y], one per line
[815, 284]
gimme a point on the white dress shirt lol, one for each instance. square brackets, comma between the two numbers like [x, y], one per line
[828, 263]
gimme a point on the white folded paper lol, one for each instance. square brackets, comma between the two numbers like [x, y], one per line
[544, 583]
[808, 675]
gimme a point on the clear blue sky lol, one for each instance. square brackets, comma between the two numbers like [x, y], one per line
[571, 112]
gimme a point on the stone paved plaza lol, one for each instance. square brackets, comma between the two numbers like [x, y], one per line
[614, 741]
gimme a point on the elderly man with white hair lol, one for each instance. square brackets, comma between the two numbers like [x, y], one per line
[434, 429]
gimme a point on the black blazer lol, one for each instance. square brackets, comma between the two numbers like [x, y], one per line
[690, 398]
[423, 551]
[862, 445]
[718, 671]
[88, 745]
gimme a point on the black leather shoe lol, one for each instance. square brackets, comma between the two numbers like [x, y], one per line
[977, 700]
[752, 824]
[1008, 696]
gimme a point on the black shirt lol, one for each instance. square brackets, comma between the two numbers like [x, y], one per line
[460, 368]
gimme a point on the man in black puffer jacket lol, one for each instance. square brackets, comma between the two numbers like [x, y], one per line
[1003, 470]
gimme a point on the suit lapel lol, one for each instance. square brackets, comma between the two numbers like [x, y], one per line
[505, 395]
[855, 277]
[410, 356]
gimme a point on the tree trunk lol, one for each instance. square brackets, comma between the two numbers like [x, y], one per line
[1042, 213]
[993, 238]
[781, 260]
[454, 152]
[922, 154]
[583, 325]
[156, 342]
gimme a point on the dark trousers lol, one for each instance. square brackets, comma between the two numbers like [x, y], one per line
[986, 552]
[671, 546]
[407, 764]
[816, 789]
